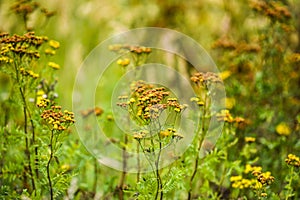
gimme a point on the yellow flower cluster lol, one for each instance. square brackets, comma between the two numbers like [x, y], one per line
[42, 102]
[5, 59]
[225, 116]
[56, 119]
[241, 183]
[197, 100]
[262, 179]
[167, 132]
[205, 78]
[147, 102]
[293, 160]
[29, 73]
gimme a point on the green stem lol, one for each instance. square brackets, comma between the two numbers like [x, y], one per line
[290, 190]
[138, 163]
[202, 136]
[48, 166]
[27, 150]
[123, 176]
[95, 177]
[159, 189]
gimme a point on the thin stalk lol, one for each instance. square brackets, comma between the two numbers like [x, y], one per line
[27, 151]
[138, 162]
[95, 177]
[123, 176]
[289, 186]
[158, 177]
[48, 165]
[144, 152]
[203, 133]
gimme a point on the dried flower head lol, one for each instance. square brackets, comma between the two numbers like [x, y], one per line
[205, 78]
[122, 48]
[274, 10]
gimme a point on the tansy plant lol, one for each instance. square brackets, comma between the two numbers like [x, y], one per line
[32, 121]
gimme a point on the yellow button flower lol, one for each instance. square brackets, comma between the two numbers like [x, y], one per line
[283, 129]
[53, 65]
[54, 44]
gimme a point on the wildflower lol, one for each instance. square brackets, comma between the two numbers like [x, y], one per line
[273, 10]
[206, 78]
[225, 116]
[224, 43]
[283, 129]
[229, 103]
[239, 119]
[53, 65]
[50, 51]
[240, 182]
[250, 139]
[295, 57]
[57, 119]
[132, 100]
[225, 74]
[293, 160]
[139, 135]
[29, 73]
[249, 168]
[197, 100]
[65, 167]
[4, 59]
[109, 118]
[235, 178]
[263, 194]
[265, 178]
[165, 133]
[194, 99]
[42, 102]
[177, 136]
[123, 62]
[54, 44]
[121, 48]
[97, 111]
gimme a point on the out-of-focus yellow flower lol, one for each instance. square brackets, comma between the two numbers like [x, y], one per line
[235, 178]
[250, 139]
[229, 103]
[50, 51]
[165, 133]
[54, 44]
[225, 74]
[123, 62]
[293, 160]
[249, 168]
[283, 129]
[65, 167]
[53, 65]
